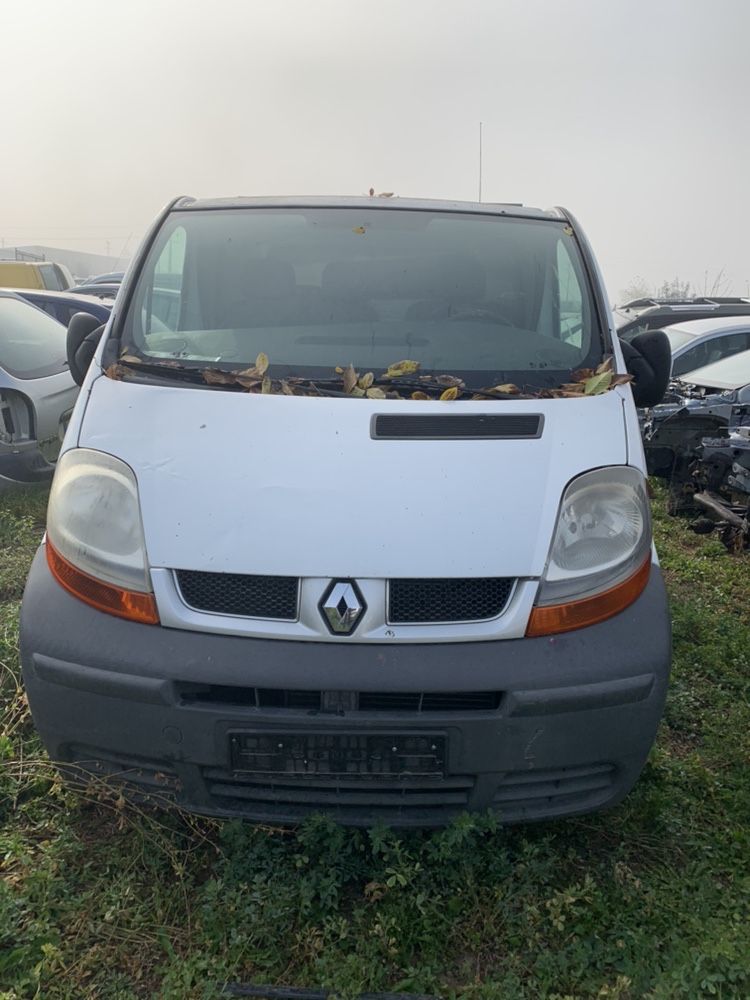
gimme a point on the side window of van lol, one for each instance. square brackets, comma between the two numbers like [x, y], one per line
[570, 298]
[163, 304]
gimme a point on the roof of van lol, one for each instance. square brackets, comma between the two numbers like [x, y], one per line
[416, 204]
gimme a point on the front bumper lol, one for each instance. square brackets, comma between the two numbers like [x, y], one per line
[157, 708]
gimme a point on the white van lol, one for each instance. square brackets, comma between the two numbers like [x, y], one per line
[352, 517]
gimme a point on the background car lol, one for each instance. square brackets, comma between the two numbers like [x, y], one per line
[703, 341]
[37, 392]
[729, 373]
[654, 314]
[111, 278]
[34, 274]
[62, 305]
[103, 290]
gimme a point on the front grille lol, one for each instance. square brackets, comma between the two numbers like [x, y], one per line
[240, 594]
[525, 794]
[339, 702]
[417, 800]
[453, 599]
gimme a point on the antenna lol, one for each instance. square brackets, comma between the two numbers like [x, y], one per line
[480, 161]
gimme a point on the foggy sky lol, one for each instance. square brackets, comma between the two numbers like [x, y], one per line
[631, 113]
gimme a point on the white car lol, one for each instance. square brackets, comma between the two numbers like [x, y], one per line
[729, 373]
[364, 529]
[701, 342]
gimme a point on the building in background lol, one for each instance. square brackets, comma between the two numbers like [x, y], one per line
[80, 264]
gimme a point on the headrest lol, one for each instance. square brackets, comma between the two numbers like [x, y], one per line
[442, 276]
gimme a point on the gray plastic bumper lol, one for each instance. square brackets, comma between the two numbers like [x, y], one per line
[159, 708]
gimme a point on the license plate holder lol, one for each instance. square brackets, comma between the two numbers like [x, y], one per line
[352, 756]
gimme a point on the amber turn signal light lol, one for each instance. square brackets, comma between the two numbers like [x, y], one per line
[103, 596]
[589, 610]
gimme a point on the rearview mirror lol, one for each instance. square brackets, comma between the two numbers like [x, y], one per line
[648, 358]
[84, 333]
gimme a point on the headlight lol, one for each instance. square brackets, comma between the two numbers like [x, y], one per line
[95, 538]
[601, 544]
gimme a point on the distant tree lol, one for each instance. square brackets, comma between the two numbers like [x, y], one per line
[674, 289]
[638, 288]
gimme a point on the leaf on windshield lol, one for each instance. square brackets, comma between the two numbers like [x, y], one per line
[265, 386]
[261, 363]
[420, 395]
[214, 376]
[366, 381]
[401, 368]
[130, 359]
[116, 371]
[349, 378]
[375, 393]
[507, 389]
[597, 383]
[448, 394]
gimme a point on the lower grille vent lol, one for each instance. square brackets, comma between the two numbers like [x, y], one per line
[521, 794]
[420, 800]
[338, 702]
[240, 594]
[453, 599]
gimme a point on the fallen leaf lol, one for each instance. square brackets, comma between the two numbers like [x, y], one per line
[214, 376]
[419, 395]
[507, 387]
[131, 359]
[401, 368]
[350, 378]
[265, 387]
[444, 380]
[286, 388]
[261, 363]
[620, 380]
[582, 374]
[339, 370]
[375, 393]
[449, 394]
[356, 391]
[366, 381]
[359, 230]
[247, 381]
[116, 371]
[605, 366]
[597, 384]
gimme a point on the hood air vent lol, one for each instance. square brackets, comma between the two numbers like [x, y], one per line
[436, 427]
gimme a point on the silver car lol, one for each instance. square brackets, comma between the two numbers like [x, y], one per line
[37, 392]
[701, 342]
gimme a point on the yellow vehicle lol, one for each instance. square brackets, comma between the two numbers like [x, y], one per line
[34, 274]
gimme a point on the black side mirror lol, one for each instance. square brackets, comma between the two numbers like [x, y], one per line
[84, 333]
[648, 358]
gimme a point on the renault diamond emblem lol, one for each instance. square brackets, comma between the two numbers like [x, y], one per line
[342, 606]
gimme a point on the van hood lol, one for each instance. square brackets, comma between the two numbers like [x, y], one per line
[233, 482]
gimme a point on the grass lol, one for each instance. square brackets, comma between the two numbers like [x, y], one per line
[102, 899]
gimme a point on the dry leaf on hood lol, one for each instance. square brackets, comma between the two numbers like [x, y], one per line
[375, 393]
[419, 395]
[449, 394]
[366, 380]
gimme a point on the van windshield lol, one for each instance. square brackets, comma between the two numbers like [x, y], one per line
[488, 298]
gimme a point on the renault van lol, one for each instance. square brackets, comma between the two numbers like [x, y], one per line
[351, 517]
